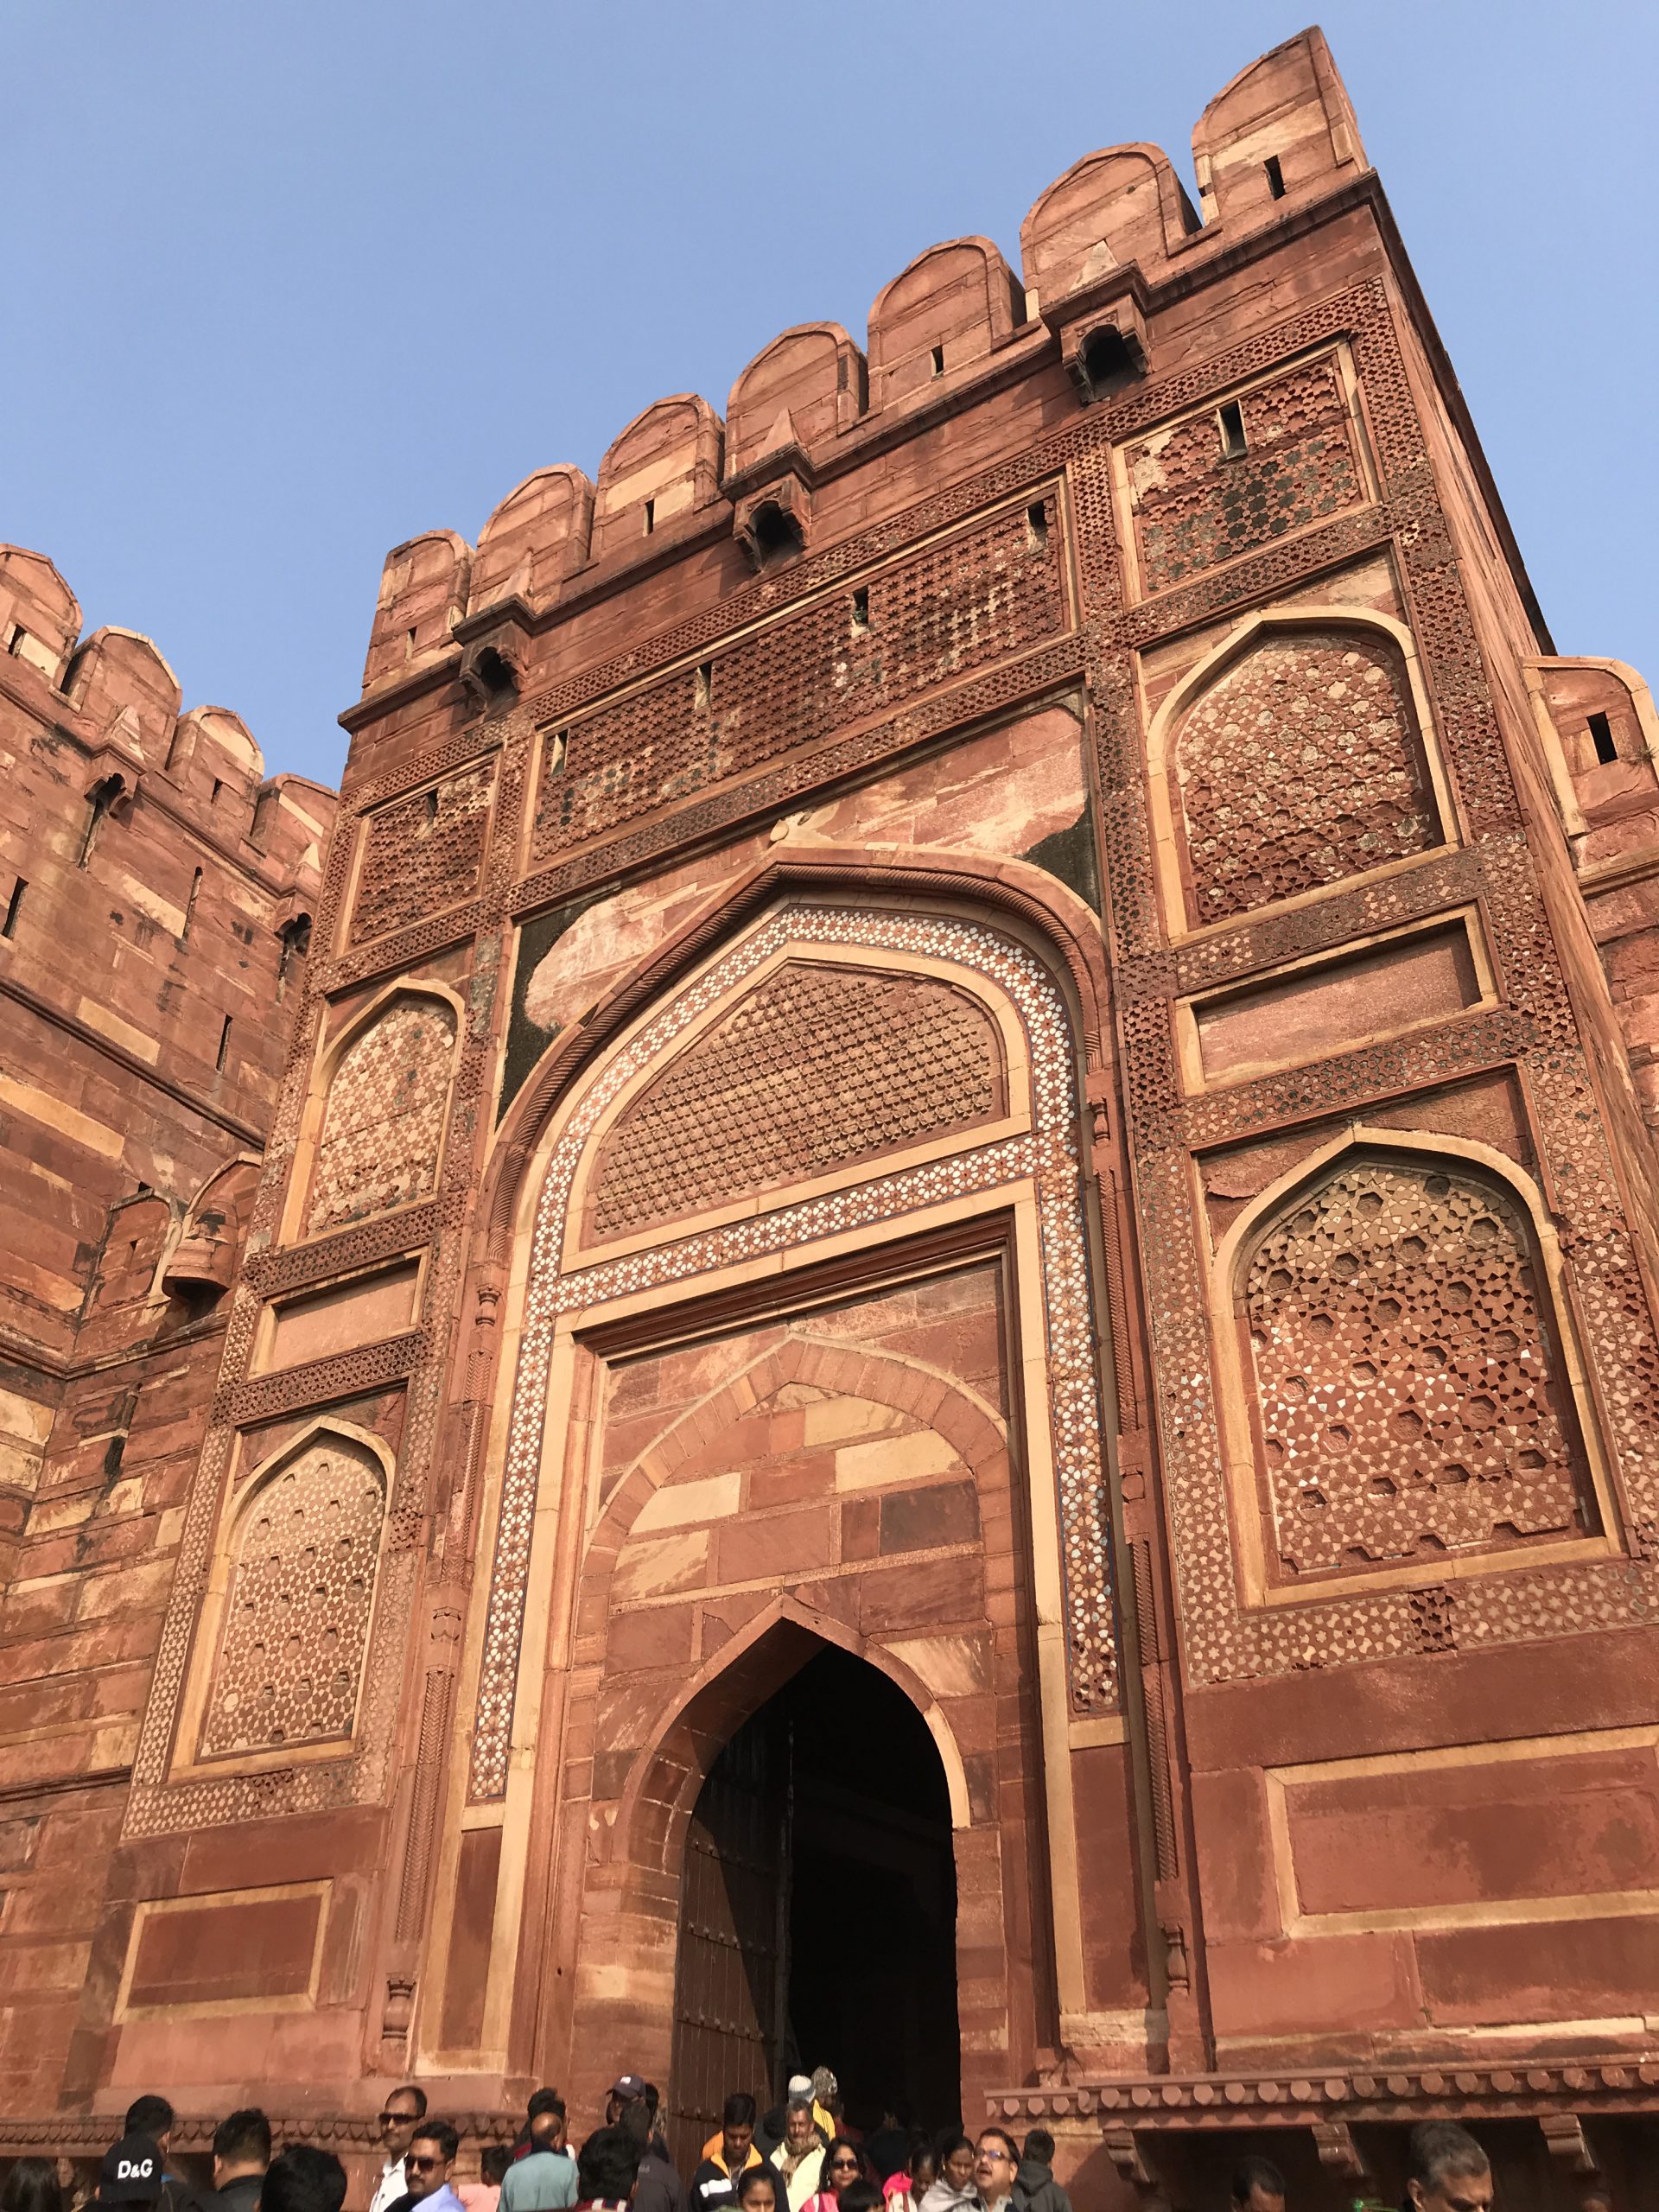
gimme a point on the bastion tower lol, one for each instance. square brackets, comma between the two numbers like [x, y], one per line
[939, 1352]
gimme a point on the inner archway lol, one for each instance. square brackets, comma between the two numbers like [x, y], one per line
[818, 1909]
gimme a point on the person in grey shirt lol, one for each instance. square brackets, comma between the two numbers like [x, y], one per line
[544, 2179]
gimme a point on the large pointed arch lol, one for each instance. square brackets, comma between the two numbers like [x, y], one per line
[669, 1769]
[634, 1897]
[1015, 936]
[1018, 971]
[1037, 903]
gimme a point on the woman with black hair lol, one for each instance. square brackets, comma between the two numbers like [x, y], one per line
[759, 2189]
[954, 2190]
[842, 2169]
[32, 2186]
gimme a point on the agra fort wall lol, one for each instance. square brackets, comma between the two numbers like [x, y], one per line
[157, 892]
[997, 1015]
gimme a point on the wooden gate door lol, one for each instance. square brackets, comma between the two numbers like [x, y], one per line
[732, 1967]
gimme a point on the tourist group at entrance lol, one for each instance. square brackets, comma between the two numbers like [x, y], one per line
[803, 2155]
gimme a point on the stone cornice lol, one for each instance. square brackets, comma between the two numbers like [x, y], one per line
[79, 2135]
[1479, 2090]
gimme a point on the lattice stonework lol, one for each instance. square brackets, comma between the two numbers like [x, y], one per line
[1048, 1157]
[296, 1618]
[1409, 1401]
[959, 605]
[383, 1125]
[1302, 763]
[423, 854]
[1195, 507]
[818, 1067]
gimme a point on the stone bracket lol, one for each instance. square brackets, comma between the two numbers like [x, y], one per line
[1564, 2133]
[1334, 2140]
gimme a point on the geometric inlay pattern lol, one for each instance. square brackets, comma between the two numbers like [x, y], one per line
[957, 606]
[296, 1616]
[816, 1068]
[383, 1126]
[1048, 1157]
[423, 854]
[1300, 765]
[1195, 507]
[1408, 1401]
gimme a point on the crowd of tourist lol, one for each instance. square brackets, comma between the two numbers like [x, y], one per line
[803, 2155]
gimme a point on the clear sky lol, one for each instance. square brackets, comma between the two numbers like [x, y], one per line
[291, 280]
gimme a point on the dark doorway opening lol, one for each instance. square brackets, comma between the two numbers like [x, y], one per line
[818, 1910]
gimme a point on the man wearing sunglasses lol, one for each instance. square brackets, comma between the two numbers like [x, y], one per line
[405, 2109]
[426, 2169]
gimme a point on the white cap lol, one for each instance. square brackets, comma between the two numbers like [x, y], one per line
[800, 2085]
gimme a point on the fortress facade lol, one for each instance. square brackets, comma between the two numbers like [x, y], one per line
[897, 1307]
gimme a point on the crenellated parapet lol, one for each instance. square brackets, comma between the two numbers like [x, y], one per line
[978, 1081]
[1116, 225]
[114, 698]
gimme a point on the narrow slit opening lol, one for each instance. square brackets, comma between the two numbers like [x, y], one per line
[702, 684]
[223, 1045]
[938, 360]
[1601, 736]
[13, 906]
[651, 517]
[190, 904]
[1037, 525]
[1230, 421]
[860, 611]
[100, 800]
[1275, 177]
[295, 939]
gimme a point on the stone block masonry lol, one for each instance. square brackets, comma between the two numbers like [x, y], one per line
[991, 1026]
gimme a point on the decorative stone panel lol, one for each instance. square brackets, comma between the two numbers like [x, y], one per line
[1301, 765]
[424, 854]
[972, 600]
[1046, 1158]
[1197, 507]
[297, 1620]
[1409, 1400]
[818, 1068]
[383, 1126]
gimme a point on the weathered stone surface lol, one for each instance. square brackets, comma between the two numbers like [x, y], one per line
[1045, 1077]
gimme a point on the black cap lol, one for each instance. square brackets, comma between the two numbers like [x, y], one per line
[131, 2172]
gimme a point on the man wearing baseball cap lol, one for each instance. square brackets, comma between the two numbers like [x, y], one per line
[626, 2090]
[131, 2172]
[149, 2121]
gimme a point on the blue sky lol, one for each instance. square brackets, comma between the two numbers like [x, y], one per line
[291, 280]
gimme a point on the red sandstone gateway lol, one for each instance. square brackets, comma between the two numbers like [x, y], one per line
[939, 1282]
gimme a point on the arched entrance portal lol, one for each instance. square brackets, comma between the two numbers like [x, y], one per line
[818, 1909]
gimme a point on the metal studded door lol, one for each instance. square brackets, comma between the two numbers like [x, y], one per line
[731, 1971]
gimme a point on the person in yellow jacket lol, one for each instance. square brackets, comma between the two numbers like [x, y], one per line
[726, 2156]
